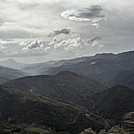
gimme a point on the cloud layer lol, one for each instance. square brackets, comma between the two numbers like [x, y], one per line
[79, 27]
[59, 44]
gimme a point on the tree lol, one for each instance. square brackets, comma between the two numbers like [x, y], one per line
[102, 132]
[117, 130]
[88, 131]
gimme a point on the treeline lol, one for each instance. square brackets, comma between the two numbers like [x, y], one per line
[37, 130]
[114, 130]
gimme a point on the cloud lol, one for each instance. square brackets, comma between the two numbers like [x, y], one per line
[74, 43]
[28, 53]
[73, 46]
[1, 21]
[95, 38]
[24, 21]
[22, 44]
[33, 45]
[95, 42]
[33, 48]
[61, 31]
[10, 48]
[6, 41]
[2, 47]
[71, 43]
[92, 14]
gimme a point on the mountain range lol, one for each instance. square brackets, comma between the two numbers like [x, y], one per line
[103, 67]
[69, 95]
[124, 77]
[9, 73]
[11, 63]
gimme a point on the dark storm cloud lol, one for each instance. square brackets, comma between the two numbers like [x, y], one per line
[61, 31]
[93, 11]
[85, 14]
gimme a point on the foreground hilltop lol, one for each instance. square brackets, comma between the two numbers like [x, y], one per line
[65, 86]
[20, 106]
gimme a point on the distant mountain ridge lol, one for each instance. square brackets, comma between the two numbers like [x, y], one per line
[3, 79]
[8, 74]
[123, 77]
[11, 63]
[103, 66]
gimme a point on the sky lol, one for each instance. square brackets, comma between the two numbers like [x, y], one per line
[42, 30]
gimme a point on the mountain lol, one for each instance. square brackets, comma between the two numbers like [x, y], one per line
[11, 63]
[35, 69]
[45, 68]
[65, 86]
[124, 77]
[53, 67]
[113, 103]
[3, 80]
[19, 106]
[105, 56]
[8, 74]
[103, 66]
[126, 55]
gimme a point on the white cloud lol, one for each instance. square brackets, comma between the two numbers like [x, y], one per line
[6, 41]
[22, 44]
[37, 44]
[47, 48]
[2, 47]
[23, 49]
[71, 43]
